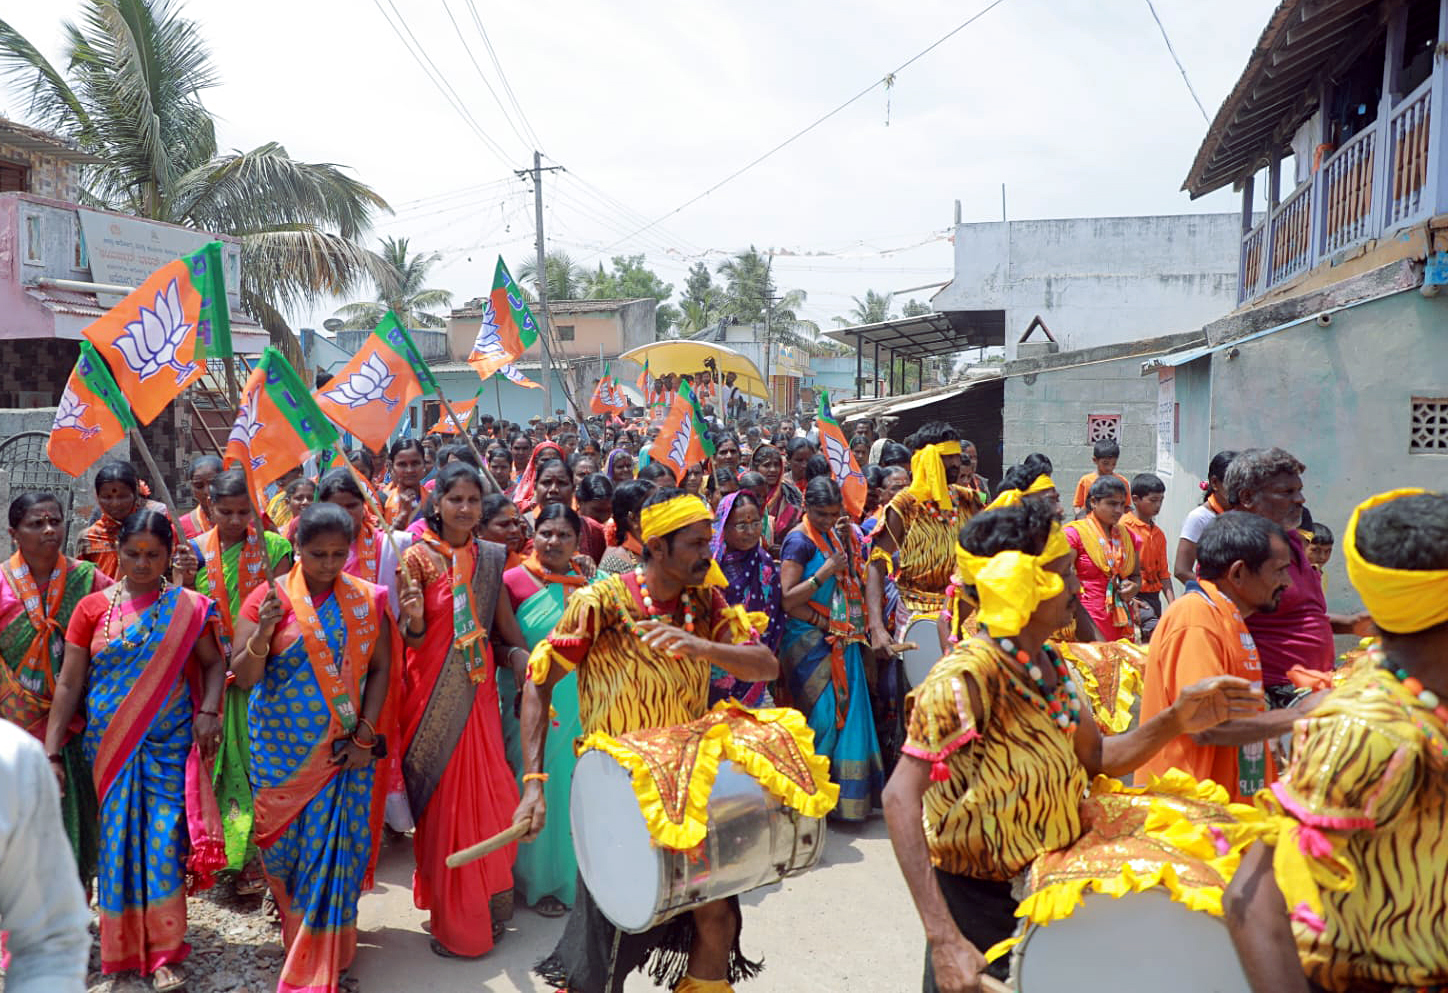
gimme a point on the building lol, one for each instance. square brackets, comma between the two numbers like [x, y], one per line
[1339, 350]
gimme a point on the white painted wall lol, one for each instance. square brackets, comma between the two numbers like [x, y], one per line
[1097, 280]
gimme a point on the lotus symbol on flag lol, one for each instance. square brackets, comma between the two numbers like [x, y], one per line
[488, 342]
[679, 443]
[149, 343]
[245, 429]
[368, 383]
[839, 457]
[69, 413]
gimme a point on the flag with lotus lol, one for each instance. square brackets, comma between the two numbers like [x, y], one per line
[514, 375]
[278, 426]
[607, 395]
[158, 338]
[508, 328]
[844, 467]
[463, 412]
[368, 397]
[683, 440]
[93, 416]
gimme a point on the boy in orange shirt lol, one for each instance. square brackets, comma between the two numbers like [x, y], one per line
[1105, 454]
[1242, 568]
[1147, 493]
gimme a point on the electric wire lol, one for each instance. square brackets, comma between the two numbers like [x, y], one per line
[492, 92]
[503, 77]
[1180, 68]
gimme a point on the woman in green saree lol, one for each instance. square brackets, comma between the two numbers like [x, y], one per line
[546, 872]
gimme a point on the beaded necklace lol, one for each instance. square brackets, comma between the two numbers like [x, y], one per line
[1425, 696]
[150, 627]
[649, 603]
[1061, 702]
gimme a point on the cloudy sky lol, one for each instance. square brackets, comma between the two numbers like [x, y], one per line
[1075, 105]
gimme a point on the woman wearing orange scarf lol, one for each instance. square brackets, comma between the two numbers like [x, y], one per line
[118, 495]
[1107, 559]
[546, 872]
[1184, 567]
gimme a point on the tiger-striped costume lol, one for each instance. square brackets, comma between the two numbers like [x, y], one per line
[1366, 779]
[623, 684]
[927, 541]
[1014, 784]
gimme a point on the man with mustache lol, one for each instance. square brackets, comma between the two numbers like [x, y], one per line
[1243, 568]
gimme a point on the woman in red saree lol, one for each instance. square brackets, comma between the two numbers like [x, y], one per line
[525, 494]
[317, 647]
[1108, 562]
[459, 785]
[144, 657]
[118, 495]
[783, 501]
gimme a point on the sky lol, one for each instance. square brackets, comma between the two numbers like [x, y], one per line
[1075, 105]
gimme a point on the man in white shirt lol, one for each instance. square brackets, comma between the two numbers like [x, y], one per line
[42, 905]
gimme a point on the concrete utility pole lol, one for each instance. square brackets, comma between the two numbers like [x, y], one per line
[544, 323]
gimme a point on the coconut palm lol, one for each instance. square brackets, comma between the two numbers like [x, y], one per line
[871, 310]
[567, 280]
[131, 95]
[403, 292]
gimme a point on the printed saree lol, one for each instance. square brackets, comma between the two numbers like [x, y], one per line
[314, 823]
[754, 585]
[139, 708]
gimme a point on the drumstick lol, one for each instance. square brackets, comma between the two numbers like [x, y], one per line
[487, 846]
[904, 646]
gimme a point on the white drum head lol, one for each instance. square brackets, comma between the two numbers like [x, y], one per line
[1141, 941]
[616, 856]
[919, 661]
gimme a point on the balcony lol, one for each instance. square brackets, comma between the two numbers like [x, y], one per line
[1381, 181]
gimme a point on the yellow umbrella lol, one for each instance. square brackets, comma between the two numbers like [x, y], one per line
[686, 358]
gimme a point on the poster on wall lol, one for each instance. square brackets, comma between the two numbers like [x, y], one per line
[1165, 421]
[124, 251]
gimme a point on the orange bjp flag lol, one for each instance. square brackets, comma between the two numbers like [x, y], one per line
[679, 444]
[371, 393]
[92, 417]
[843, 465]
[277, 427]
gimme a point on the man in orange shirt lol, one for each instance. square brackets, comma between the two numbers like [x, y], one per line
[1105, 454]
[1242, 568]
[1147, 493]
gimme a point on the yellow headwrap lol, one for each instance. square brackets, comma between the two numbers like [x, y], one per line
[1011, 585]
[1010, 498]
[666, 517]
[1402, 601]
[927, 474]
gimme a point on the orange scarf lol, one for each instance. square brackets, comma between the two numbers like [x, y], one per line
[42, 618]
[541, 573]
[841, 630]
[1215, 504]
[360, 622]
[1114, 556]
[250, 571]
[468, 629]
[369, 551]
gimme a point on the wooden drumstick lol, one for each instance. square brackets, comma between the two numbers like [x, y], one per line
[904, 646]
[488, 845]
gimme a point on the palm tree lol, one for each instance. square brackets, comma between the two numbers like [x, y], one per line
[567, 280]
[131, 96]
[872, 310]
[403, 291]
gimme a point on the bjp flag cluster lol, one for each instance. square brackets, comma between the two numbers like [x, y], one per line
[158, 338]
[368, 397]
[683, 440]
[843, 466]
[608, 396]
[93, 416]
[278, 426]
[508, 328]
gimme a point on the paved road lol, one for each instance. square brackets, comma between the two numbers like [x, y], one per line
[848, 924]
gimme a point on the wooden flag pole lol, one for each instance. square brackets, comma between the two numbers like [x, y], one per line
[161, 488]
[231, 389]
[488, 479]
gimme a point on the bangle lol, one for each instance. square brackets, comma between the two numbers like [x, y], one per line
[251, 649]
[541, 777]
[816, 581]
[210, 713]
[414, 634]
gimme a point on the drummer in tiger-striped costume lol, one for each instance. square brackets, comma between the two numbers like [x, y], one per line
[920, 523]
[1351, 895]
[642, 644]
[997, 758]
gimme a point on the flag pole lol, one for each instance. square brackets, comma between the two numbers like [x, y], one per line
[161, 488]
[482, 462]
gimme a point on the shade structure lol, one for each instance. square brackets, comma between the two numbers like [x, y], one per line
[687, 358]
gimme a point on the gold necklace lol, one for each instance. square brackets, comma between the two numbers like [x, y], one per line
[150, 628]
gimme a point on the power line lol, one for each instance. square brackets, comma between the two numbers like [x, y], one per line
[886, 80]
[496, 99]
[503, 76]
[1181, 68]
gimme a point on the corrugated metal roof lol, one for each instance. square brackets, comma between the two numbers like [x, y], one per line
[929, 334]
[81, 304]
[35, 140]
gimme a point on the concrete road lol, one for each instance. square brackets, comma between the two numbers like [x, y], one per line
[848, 924]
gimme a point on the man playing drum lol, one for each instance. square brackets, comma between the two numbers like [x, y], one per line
[642, 644]
[997, 758]
[1349, 895]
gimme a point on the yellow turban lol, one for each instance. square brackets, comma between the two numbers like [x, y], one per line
[1402, 601]
[927, 474]
[1011, 585]
[1011, 498]
[659, 519]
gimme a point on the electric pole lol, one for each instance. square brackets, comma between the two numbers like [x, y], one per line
[544, 321]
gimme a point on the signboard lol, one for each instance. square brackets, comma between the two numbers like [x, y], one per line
[123, 251]
[1165, 421]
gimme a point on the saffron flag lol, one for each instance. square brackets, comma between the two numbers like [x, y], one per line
[514, 375]
[368, 397]
[843, 466]
[93, 416]
[607, 396]
[278, 426]
[508, 328]
[681, 441]
[157, 339]
[645, 384]
[464, 411]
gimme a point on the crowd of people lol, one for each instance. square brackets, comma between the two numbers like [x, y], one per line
[414, 642]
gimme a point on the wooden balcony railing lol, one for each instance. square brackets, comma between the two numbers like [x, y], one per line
[1408, 132]
[1291, 238]
[1348, 192]
[1250, 278]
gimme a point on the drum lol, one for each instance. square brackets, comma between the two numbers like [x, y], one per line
[753, 840]
[1144, 938]
[925, 633]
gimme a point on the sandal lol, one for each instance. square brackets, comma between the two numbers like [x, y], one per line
[166, 978]
[550, 906]
[251, 880]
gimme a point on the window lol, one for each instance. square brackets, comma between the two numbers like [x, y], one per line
[14, 178]
[565, 332]
[1103, 427]
[1429, 433]
[34, 244]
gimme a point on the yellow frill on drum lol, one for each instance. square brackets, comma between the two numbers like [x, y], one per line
[1176, 833]
[673, 768]
[1110, 676]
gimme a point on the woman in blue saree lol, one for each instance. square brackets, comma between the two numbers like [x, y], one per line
[144, 657]
[822, 656]
[317, 645]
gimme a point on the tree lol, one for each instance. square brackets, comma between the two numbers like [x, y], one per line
[403, 291]
[914, 308]
[872, 310]
[567, 280]
[131, 96]
[630, 280]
